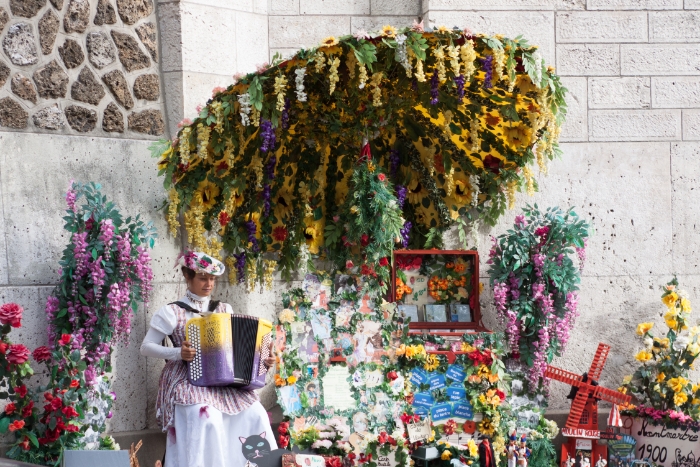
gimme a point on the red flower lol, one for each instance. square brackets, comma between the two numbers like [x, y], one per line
[333, 462]
[384, 262]
[283, 429]
[25, 444]
[222, 166]
[48, 396]
[381, 177]
[42, 354]
[364, 240]
[69, 411]
[492, 164]
[3, 347]
[64, 340]
[17, 354]
[501, 395]
[17, 425]
[284, 442]
[11, 313]
[349, 264]
[10, 408]
[392, 375]
[21, 391]
[27, 411]
[56, 403]
[74, 384]
[279, 234]
[449, 427]
[351, 456]
[224, 218]
[72, 428]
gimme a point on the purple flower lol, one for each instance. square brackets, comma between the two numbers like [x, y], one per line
[488, 70]
[267, 134]
[285, 114]
[434, 84]
[270, 167]
[252, 228]
[459, 81]
[394, 161]
[405, 233]
[71, 197]
[520, 221]
[401, 193]
[240, 266]
[267, 189]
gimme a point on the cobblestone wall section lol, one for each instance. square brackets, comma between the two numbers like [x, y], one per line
[84, 67]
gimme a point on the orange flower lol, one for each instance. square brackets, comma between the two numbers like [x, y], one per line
[459, 267]
[450, 265]
[16, 425]
[279, 381]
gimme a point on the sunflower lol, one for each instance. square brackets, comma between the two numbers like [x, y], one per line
[205, 195]
[462, 193]
[431, 363]
[235, 200]
[313, 232]
[329, 41]
[283, 203]
[486, 427]
[416, 192]
[517, 135]
[389, 31]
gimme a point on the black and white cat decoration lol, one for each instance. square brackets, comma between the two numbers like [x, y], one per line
[256, 449]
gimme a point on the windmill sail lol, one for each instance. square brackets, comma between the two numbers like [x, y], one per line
[577, 407]
[564, 376]
[601, 355]
[609, 395]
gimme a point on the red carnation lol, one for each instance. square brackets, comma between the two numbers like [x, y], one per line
[381, 177]
[279, 234]
[17, 425]
[72, 428]
[74, 384]
[64, 340]
[42, 354]
[21, 391]
[27, 411]
[3, 347]
[11, 313]
[384, 262]
[10, 408]
[69, 411]
[56, 403]
[17, 354]
[364, 240]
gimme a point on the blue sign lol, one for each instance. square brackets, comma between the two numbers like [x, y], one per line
[463, 410]
[456, 393]
[422, 411]
[418, 377]
[456, 373]
[437, 381]
[441, 412]
[423, 399]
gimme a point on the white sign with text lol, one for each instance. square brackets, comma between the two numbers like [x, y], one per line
[665, 447]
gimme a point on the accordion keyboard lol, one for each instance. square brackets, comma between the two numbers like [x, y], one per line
[195, 365]
[264, 353]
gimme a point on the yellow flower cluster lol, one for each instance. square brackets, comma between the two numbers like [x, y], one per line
[510, 193]
[453, 53]
[268, 270]
[184, 145]
[411, 351]
[468, 55]
[203, 133]
[362, 77]
[195, 227]
[333, 74]
[420, 74]
[529, 180]
[474, 126]
[376, 89]
[219, 114]
[280, 89]
[231, 266]
[251, 276]
[173, 223]
[320, 61]
[286, 316]
[499, 62]
[440, 63]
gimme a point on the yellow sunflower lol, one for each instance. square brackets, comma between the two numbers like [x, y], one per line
[329, 41]
[205, 195]
[388, 31]
[416, 191]
[486, 427]
[518, 135]
[431, 363]
[283, 203]
[235, 200]
[461, 195]
[313, 232]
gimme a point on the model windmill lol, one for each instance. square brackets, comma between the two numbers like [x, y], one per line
[582, 425]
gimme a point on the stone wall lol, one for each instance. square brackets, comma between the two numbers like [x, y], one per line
[80, 67]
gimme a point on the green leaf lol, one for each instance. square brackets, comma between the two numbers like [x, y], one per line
[5, 424]
[32, 438]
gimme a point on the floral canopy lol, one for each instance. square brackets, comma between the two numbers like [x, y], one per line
[450, 122]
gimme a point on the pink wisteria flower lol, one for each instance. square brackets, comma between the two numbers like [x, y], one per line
[184, 122]
[262, 68]
[217, 90]
[360, 34]
[418, 26]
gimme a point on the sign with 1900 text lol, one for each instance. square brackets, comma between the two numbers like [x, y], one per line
[665, 447]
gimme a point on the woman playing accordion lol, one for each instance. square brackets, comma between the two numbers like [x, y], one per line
[203, 424]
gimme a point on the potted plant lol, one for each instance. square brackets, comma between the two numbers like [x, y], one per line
[665, 420]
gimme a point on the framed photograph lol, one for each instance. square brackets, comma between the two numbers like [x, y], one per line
[436, 313]
[461, 312]
[410, 311]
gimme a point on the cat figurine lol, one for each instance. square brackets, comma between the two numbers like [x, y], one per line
[256, 449]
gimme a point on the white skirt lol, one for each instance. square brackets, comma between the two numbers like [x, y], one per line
[203, 436]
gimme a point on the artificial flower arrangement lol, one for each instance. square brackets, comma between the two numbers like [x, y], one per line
[105, 272]
[450, 281]
[535, 284]
[661, 387]
[455, 120]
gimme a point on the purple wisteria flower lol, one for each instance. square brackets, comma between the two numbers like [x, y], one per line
[459, 81]
[267, 134]
[434, 84]
[488, 70]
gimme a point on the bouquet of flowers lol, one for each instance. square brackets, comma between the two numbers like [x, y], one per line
[661, 386]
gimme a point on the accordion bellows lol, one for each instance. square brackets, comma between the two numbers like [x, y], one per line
[229, 350]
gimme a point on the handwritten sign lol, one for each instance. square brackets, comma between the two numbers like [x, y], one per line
[387, 461]
[419, 431]
[441, 412]
[665, 447]
[336, 390]
[456, 373]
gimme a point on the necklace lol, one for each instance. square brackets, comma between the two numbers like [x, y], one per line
[196, 300]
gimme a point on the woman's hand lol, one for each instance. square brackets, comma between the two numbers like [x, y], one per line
[187, 352]
[270, 361]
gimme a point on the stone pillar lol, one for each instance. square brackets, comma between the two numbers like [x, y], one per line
[204, 43]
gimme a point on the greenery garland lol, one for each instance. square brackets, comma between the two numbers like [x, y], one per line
[454, 118]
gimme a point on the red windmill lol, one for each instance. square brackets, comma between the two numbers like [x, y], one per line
[582, 425]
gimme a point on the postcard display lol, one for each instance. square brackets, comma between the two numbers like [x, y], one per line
[348, 366]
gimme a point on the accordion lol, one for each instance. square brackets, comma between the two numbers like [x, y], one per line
[230, 350]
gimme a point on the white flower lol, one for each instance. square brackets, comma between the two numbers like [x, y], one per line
[648, 342]
[361, 34]
[680, 343]
[299, 81]
[244, 101]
